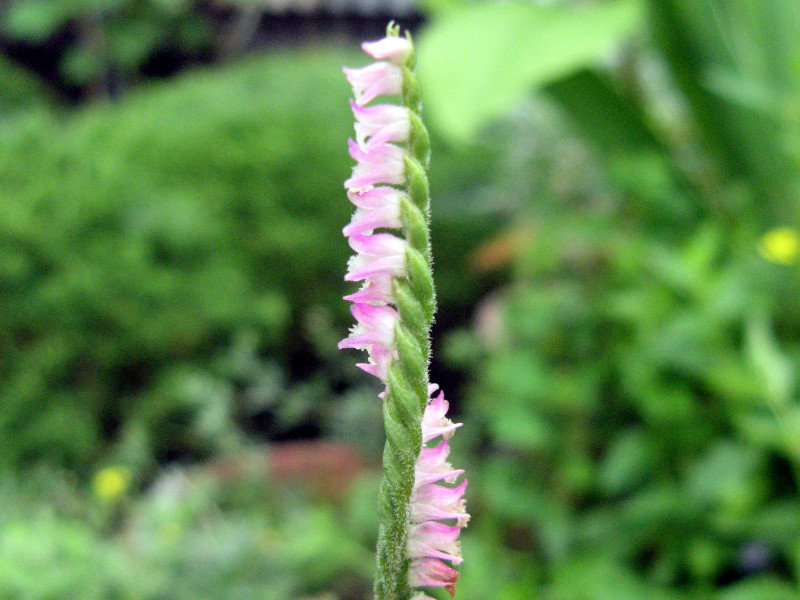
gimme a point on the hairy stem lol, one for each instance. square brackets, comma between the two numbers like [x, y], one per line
[407, 381]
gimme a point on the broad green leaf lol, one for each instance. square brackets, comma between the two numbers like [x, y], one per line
[733, 62]
[476, 63]
[745, 92]
[614, 123]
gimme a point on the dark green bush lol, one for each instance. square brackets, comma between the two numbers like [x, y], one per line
[139, 239]
[144, 242]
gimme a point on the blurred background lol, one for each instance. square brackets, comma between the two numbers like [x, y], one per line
[615, 227]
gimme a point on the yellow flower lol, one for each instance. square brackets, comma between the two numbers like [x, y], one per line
[111, 483]
[780, 245]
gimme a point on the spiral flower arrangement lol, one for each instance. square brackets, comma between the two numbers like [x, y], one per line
[421, 505]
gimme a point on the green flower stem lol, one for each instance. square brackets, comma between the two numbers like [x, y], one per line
[407, 380]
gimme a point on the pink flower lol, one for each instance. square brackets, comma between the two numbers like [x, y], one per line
[435, 502]
[377, 79]
[376, 208]
[431, 572]
[375, 291]
[432, 465]
[435, 540]
[376, 198]
[379, 259]
[394, 48]
[378, 255]
[388, 119]
[373, 332]
[376, 162]
[429, 541]
[434, 422]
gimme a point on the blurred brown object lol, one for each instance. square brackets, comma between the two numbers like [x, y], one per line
[499, 251]
[325, 468]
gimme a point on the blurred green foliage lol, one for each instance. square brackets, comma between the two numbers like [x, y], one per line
[109, 38]
[139, 240]
[627, 336]
[192, 535]
[19, 90]
[633, 396]
[155, 252]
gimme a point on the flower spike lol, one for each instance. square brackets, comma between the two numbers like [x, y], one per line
[430, 541]
[422, 508]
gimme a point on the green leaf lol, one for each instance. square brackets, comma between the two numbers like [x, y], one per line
[732, 62]
[35, 20]
[476, 63]
[82, 65]
[629, 462]
[614, 123]
[746, 92]
[727, 475]
[19, 88]
[766, 357]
